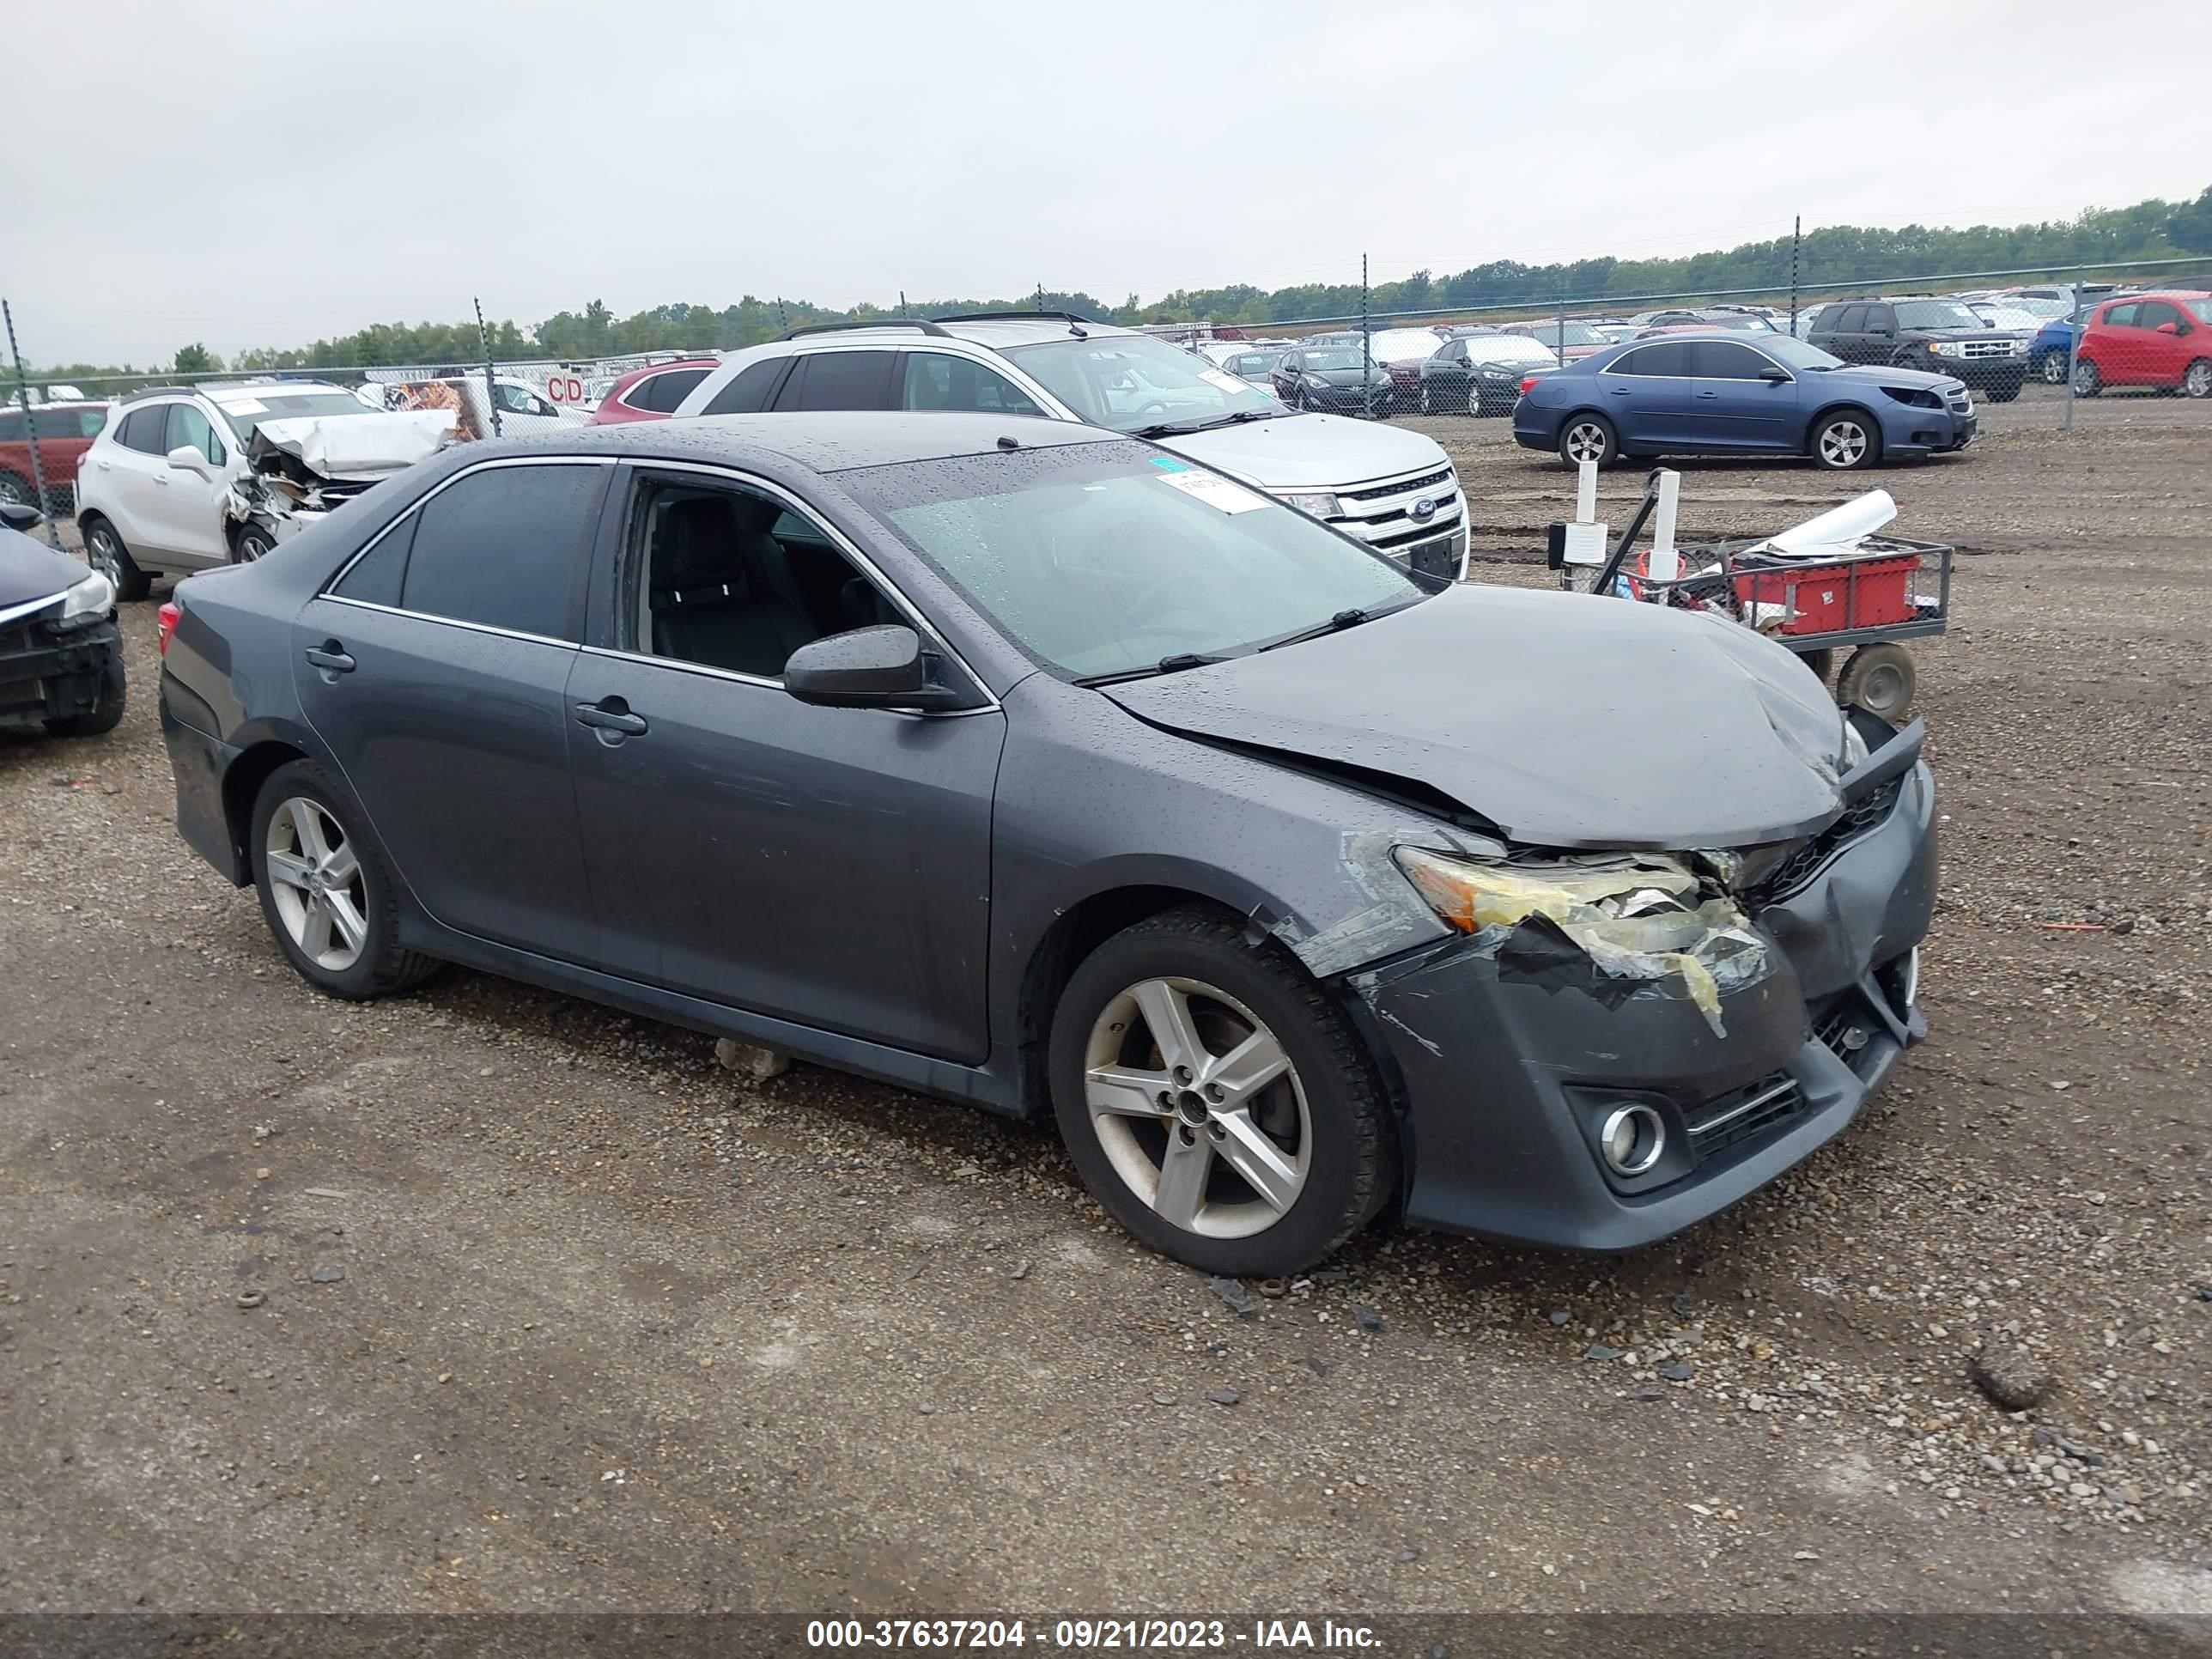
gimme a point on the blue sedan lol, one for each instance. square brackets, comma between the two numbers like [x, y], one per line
[1724, 394]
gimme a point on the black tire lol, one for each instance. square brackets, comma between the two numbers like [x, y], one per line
[250, 542]
[1819, 661]
[105, 551]
[383, 967]
[2088, 380]
[1589, 436]
[1833, 447]
[2004, 394]
[15, 487]
[1352, 1157]
[1880, 679]
[105, 714]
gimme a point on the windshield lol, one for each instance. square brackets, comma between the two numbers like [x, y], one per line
[1743, 319]
[1794, 353]
[1997, 316]
[2200, 309]
[244, 414]
[1935, 313]
[1127, 381]
[1567, 334]
[1335, 357]
[1509, 348]
[1106, 558]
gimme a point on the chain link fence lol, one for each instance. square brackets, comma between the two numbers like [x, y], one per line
[2057, 336]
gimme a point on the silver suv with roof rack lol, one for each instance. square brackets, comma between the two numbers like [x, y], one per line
[1394, 489]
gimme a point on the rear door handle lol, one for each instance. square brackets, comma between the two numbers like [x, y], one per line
[1622, 390]
[610, 714]
[331, 657]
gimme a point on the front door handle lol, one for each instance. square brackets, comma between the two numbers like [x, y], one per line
[611, 718]
[1709, 394]
[331, 657]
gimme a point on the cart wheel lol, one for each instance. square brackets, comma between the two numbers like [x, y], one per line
[1819, 661]
[1880, 679]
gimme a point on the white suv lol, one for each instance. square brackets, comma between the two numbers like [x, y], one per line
[167, 487]
[1394, 489]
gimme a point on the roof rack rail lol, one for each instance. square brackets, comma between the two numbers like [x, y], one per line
[1069, 317]
[155, 392]
[880, 322]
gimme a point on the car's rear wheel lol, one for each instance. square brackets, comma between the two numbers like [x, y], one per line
[105, 552]
[2197, 379]
[326, 891]
[1588, 438]
[1845, 441]
[2004, 392]
[1880, 679]
[1215, 1101]
[2088, 380]
[2054, 368]
[16, 489]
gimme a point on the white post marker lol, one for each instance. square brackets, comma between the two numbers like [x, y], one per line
[1666, 564]
[1585, 536]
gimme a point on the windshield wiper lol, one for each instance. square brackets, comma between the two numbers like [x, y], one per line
[1336, 624]
[1172, 429]
[1173, 664]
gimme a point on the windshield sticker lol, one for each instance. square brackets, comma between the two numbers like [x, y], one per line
[1169, 464]
[1215, 492]
[245, 406]
[1226, 382]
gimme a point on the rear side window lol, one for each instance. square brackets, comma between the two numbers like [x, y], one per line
[501, 547]
[11, 428]
[2121, 316]
[1846, 320]
[661, 393]
[839, 379]
[142, 429]
[1671, 358]
[748, 393]
[66, 422]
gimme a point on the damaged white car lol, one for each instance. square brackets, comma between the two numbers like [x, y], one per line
[185, 477]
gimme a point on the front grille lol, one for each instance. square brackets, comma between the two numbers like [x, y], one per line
[1868, 812]
[1744, 1115]
[1400, 487]
[1438, 527]
[1987, 348]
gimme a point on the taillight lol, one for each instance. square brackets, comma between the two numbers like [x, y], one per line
[1526, 384]
[167, 615]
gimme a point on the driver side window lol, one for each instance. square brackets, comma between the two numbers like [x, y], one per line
[726, 578]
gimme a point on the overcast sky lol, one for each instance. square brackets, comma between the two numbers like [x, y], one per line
[250, 175]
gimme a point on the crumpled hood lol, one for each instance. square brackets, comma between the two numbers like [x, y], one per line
[1310, 451]
[1566, 719]
[31, 570]
[366, 445]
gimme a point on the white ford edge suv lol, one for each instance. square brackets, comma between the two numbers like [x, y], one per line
[1394, 489]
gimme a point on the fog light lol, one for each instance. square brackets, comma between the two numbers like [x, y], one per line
[1632, 1138]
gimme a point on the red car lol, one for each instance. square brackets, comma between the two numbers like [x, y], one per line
[2163, 340]
[651, 394]
[1571, 340]
[64, 432]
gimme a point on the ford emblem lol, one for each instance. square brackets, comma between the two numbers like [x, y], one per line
[1424, 509]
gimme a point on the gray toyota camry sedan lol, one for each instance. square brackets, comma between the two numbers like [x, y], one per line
[1030, 765]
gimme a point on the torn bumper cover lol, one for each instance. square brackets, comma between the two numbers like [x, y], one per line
[1742, 1028]
[300, 471]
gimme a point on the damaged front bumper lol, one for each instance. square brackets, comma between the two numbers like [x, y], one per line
[49, 673]
[1512, 1064]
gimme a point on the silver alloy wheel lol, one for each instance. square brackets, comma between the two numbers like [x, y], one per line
[2054, 368]
[253, 544]
[105, 554]
[1586, 441]
[1426, 408]
[2087, 381]
[1843, 443]
[1198, 1108]
[316, 880]
[13, 491]
[2198, 381]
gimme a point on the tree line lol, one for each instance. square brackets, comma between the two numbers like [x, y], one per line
[1829, 257]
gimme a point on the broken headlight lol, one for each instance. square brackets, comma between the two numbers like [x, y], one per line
[1855, 747]
[1635, 915]
[85, 601]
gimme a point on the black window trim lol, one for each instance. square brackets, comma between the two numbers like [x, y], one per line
[659, 373]
[328, 591]
[1698, 340]
[638, 470]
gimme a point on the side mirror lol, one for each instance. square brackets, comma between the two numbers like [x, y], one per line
[1774, 376]
[19, 515]
[882, 667]
[185, 458]
[2169, 328]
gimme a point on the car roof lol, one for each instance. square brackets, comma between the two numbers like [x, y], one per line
[1004, 333]
[825, 441]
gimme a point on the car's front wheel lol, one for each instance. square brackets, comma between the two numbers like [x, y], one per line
[1846, 440]
[1215, 1101]
[2088, 379]
[251, 544]
[2054, 368]
[1587, 438]
[326, 891]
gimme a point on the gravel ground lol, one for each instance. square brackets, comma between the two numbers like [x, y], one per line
[487, 1299]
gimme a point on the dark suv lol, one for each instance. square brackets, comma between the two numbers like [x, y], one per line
[1942, 336]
